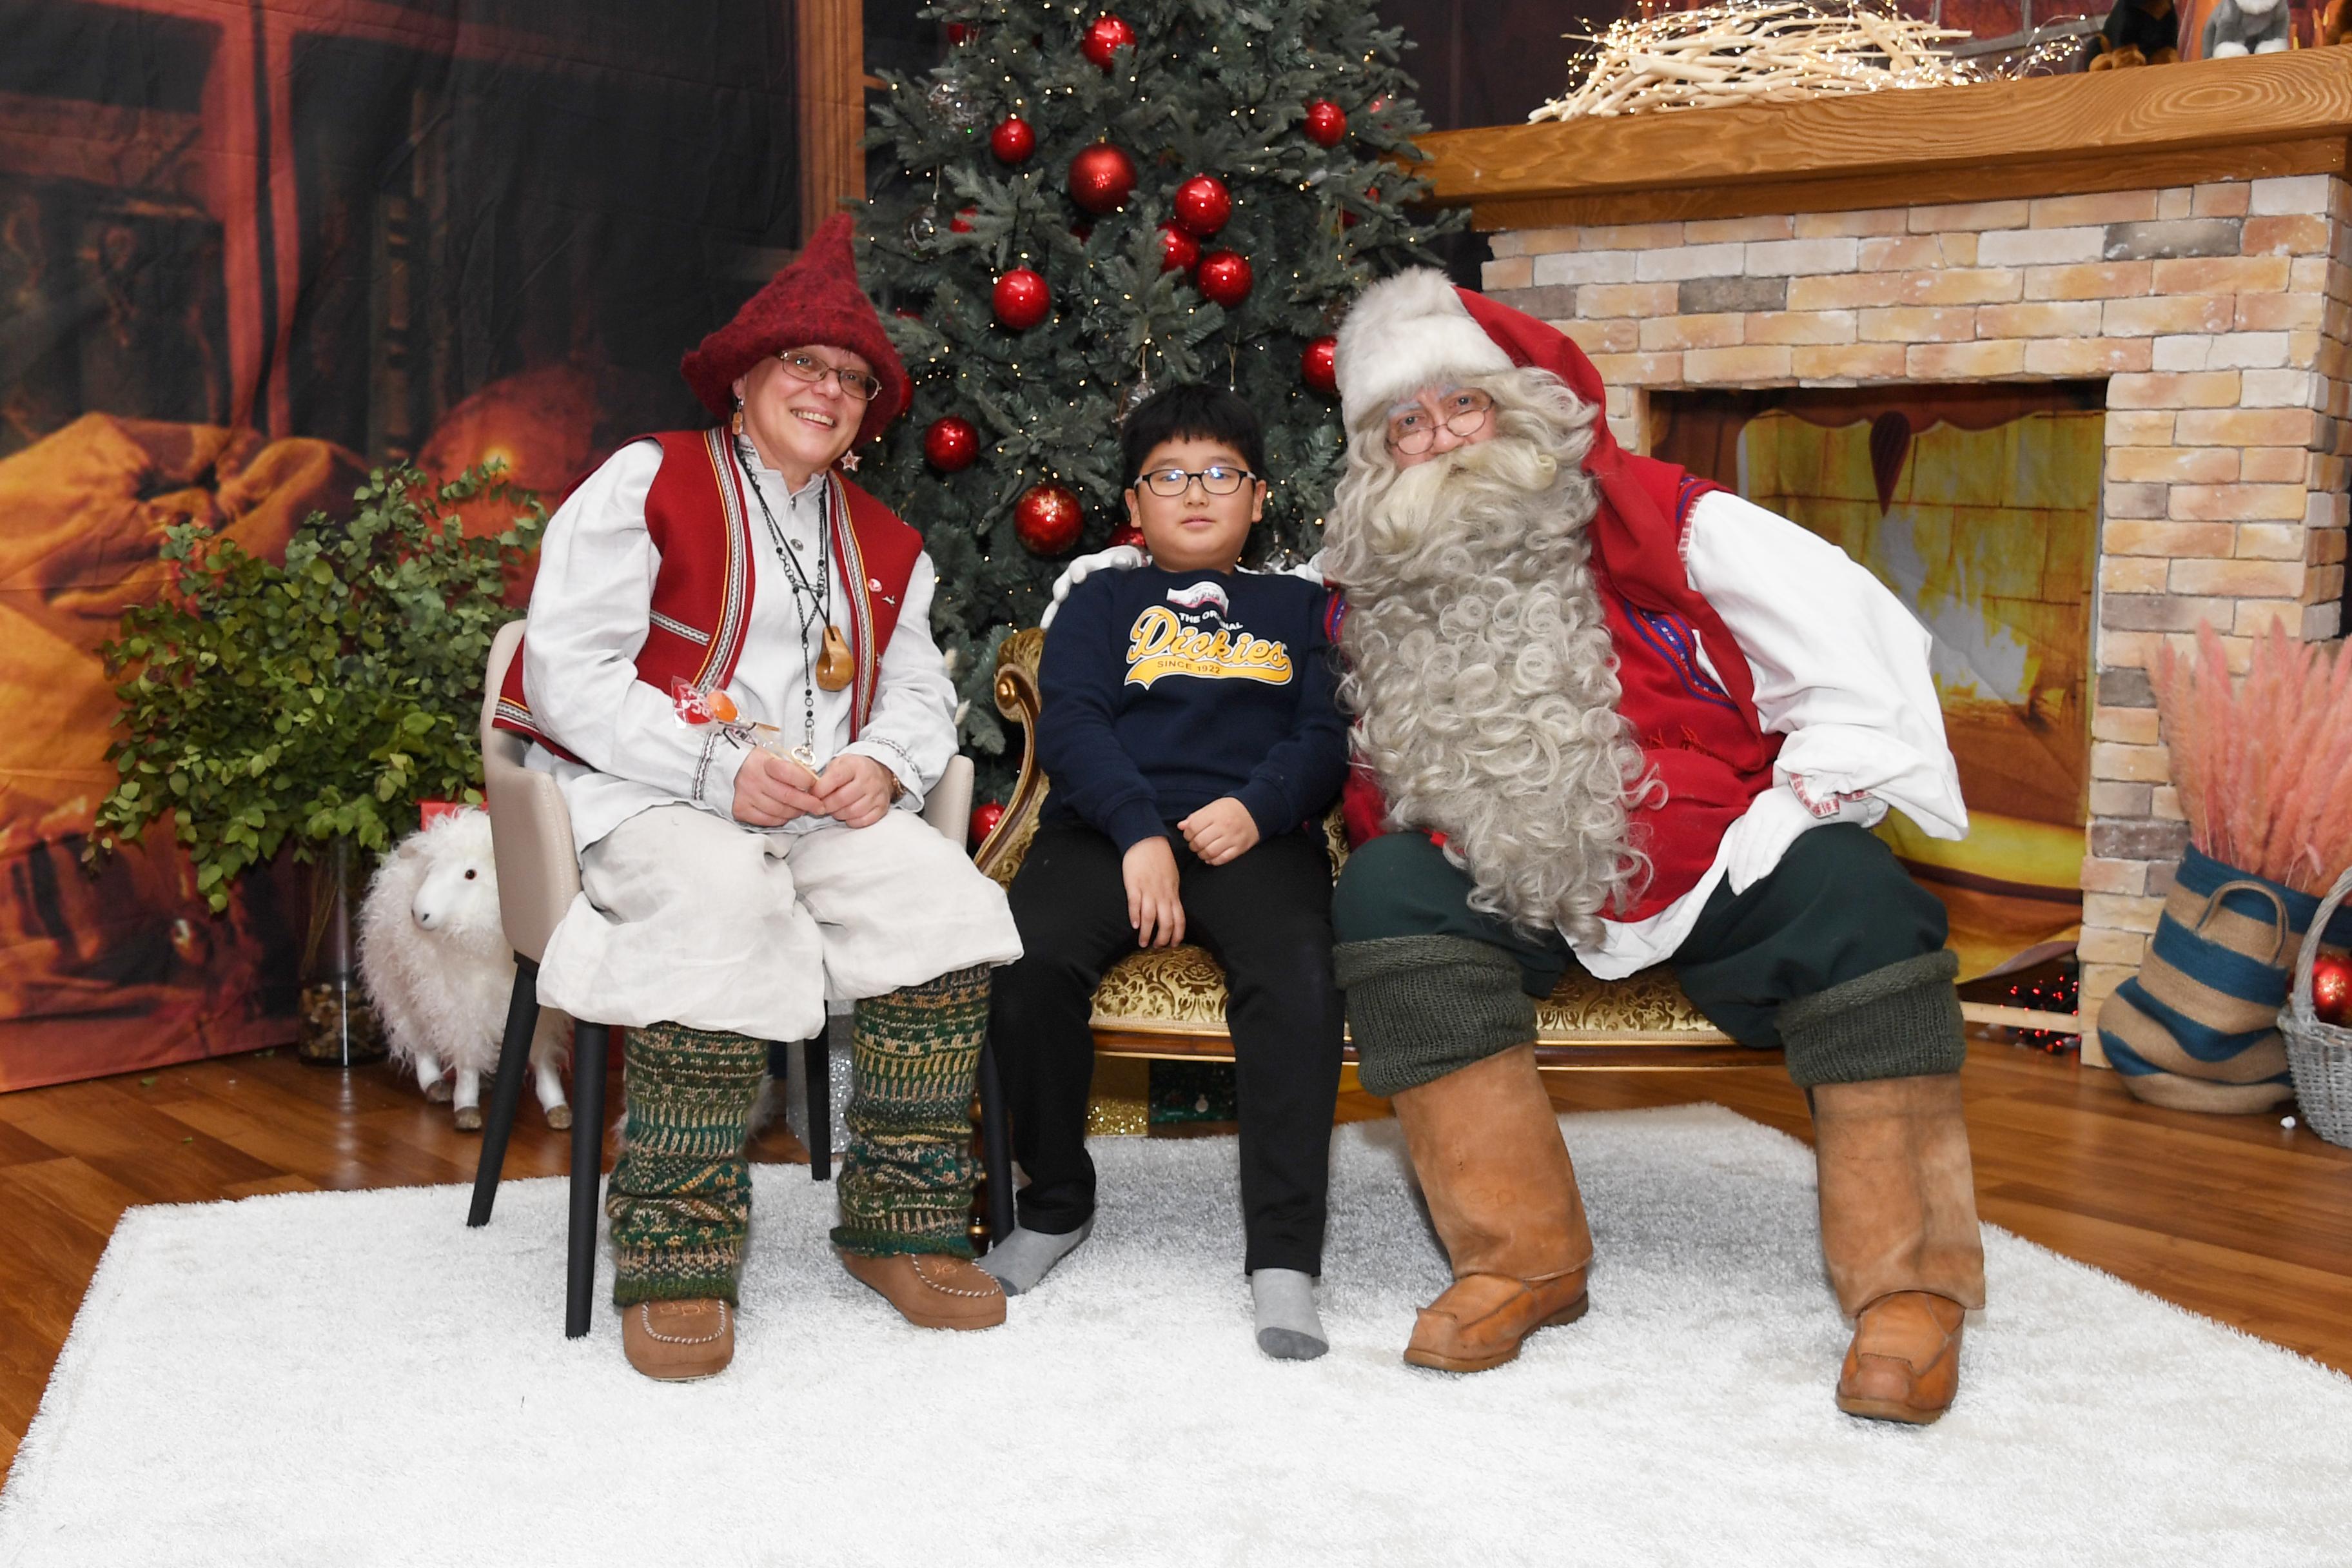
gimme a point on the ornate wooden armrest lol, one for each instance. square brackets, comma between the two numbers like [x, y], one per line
[1017, 698]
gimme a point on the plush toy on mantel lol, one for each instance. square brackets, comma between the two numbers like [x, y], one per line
[2246, 26]
[2136, 33]
[435, 959]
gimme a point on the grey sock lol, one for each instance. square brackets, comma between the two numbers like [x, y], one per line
[1023, 1258]
[1287, 1326]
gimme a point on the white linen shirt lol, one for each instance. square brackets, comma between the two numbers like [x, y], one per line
[1840, 669]
[590, 611]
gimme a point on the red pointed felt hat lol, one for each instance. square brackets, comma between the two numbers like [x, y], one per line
[814, 301]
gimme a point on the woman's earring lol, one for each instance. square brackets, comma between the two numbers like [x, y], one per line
[736, 425]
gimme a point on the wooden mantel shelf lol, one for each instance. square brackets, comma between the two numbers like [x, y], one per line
[2157, 125]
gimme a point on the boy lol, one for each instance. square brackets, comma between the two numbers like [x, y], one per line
[1193, 739]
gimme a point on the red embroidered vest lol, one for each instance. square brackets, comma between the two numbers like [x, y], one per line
[697, 514]
[1699, 734]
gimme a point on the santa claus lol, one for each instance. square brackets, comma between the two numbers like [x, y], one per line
[1611, 715]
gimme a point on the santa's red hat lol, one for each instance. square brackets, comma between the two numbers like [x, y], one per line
[814, 301]
[1417, 330]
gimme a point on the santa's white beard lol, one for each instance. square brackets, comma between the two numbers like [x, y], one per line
[1483, 674]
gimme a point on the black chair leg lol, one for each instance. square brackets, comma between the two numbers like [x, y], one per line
[590, 1043]
[505, 1089]
[816, 1057]
[996, 1148]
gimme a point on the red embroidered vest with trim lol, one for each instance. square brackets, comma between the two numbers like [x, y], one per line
[698, 513]
[1698, 733]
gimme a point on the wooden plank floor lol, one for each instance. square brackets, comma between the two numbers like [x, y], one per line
[2235, 1217]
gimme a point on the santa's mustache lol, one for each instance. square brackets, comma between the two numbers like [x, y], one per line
[1433, 500]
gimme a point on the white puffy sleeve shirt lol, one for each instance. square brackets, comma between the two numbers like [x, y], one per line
[589, 614]
[1840, 667]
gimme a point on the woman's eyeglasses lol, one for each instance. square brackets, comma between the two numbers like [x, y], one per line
[1463, 413]
[804, 366]
[1217, 478]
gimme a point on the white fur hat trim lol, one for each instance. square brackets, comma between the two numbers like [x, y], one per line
[1406, 333]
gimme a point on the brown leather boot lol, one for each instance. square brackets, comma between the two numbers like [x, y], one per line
[1502, 1193]
[678, 1341]
[1899, 1234]
[931, 1290]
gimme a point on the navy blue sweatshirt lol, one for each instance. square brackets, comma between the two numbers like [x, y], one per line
[1165, 691]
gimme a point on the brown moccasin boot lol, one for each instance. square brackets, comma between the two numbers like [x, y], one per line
[1899, 1234]
[1905, 1362]
[1485, 1144]
[678, 1341]
[930, 1289]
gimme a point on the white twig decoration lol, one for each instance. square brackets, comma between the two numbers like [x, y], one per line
[1757, 53]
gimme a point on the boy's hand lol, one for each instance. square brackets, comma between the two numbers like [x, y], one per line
[1220, 831]
[854, 791]
[1152, 906]
[771, 791]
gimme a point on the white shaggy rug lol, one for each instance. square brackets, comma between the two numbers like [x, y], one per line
[357, 1379]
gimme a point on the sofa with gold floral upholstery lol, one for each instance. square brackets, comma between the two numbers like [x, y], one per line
[1170, 1002]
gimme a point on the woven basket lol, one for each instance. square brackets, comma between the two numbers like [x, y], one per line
[2319, 1054]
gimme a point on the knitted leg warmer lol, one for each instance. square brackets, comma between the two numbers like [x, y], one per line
[680, 1199]
[906, 1180]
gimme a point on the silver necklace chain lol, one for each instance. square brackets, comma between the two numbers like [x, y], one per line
[809, 603]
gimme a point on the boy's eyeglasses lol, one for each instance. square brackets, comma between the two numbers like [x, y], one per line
[1411, 432]
[1217, 478]
[807, 367]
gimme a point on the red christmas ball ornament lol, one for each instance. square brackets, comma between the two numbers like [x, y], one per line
[1101, 178]
[1106, 35]
[1326, 123]
[984, 818]
[1224, 278]
[1202, 205]
[1013, 140]
[1127, 533]
[962, 222]
[1020, 300]
[951, 445]
[962, 32]
[1319, 367]
[2331, 989]
[1047, 517]
[1178, 251]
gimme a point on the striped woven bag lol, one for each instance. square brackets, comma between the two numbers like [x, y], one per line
[2197, 1029]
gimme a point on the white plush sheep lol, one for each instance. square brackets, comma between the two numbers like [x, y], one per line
[435, 959]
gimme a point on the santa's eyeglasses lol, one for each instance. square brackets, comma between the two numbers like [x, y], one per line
[804, 366]
[1463, 413]
[1218, 479]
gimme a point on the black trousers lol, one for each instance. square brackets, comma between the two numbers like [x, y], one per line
[1267, 919]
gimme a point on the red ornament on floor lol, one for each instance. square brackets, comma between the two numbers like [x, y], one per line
[1202, 205]
[951, 444]
[1106, 35]
[1101, 178]
[1013, 140]
[2331, 989]
[1319, 367]
[984, 818]
[1178, 251]
[1020, 300]
[1326, 123]
[1047, 517]
[1224, 278]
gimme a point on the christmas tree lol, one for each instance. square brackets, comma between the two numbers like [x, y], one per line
[1083, 206]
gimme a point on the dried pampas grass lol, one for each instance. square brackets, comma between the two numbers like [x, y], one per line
[2263, 765]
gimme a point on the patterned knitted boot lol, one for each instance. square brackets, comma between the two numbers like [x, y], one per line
[907, 1180]
[680, 1199]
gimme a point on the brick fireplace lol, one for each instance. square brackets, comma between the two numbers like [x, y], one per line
[2197, 259]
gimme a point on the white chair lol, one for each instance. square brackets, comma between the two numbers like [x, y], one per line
[530, 840]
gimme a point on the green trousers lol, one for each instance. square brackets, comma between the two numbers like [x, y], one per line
[1837, 957]
[680, 1196]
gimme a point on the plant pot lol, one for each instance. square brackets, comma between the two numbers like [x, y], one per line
[2197, 1028]
[339, 1027]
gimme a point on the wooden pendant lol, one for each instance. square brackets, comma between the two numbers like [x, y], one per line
[835, 666]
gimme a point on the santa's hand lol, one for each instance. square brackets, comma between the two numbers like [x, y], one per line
[1754, 845]
[1117, 558]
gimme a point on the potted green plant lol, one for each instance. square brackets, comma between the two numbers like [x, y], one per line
[314, 702]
